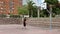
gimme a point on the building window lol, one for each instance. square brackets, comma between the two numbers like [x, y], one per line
[20, 1]
[2, 9]
[11, 9]
[11, 3]
[2, 3]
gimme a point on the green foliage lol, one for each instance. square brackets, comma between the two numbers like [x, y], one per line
[3, 15]
[14, 16]
[44, 13]
[55, 8]
[32, 10]
[35, 11]
[58, 10]
[53, 2]
[30, 7]
[23, 10]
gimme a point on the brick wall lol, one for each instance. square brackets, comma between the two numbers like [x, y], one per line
[10, 20]
[5, 5]
[43, 22]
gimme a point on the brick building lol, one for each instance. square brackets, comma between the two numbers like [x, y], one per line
[9, 6]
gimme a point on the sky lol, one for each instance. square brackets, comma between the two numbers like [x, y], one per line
[24, 2]
[35, 1]
[38, 3]
[59, 1]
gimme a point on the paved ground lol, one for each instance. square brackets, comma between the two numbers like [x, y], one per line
[18, 29]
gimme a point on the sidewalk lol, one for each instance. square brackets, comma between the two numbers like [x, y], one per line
[18, 29]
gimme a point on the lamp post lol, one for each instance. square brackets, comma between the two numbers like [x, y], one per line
[50, 17]
[39, 8]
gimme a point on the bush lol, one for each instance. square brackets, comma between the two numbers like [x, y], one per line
[15, 16]
[3, 15]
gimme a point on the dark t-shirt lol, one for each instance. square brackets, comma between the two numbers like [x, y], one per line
[24, 19]
[24, 22]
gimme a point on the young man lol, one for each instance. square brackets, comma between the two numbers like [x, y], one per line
[24, 22]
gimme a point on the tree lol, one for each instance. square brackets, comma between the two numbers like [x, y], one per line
[30, 7]
[55, 8]
[35, 11]
[52, 2]
[23, 10]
